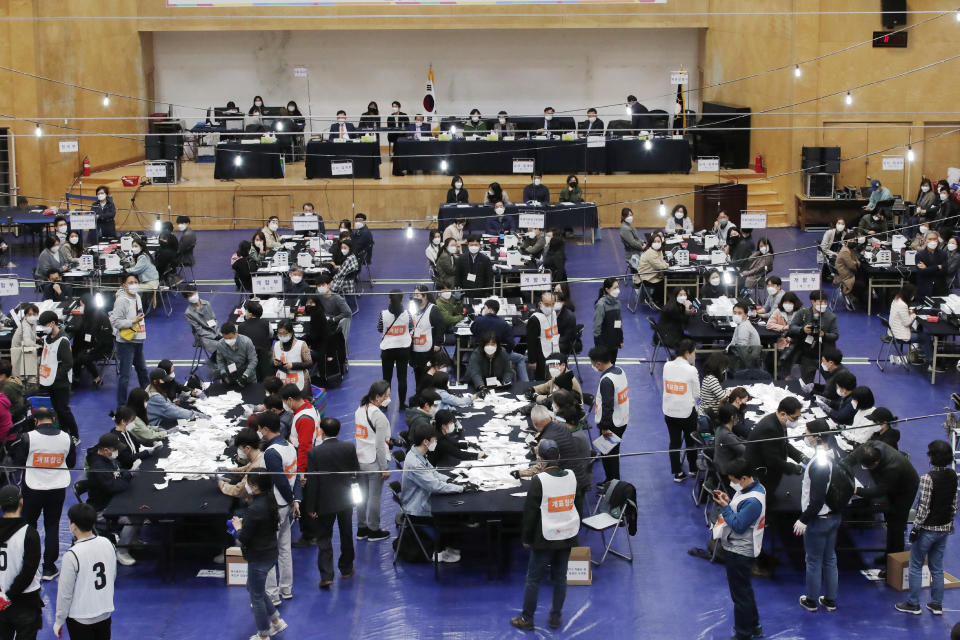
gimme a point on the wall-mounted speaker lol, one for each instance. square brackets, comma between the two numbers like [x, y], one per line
[894, 13]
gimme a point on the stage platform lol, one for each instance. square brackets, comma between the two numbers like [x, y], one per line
[388, 202]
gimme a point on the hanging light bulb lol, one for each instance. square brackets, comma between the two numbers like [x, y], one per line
[663, 210]
[37, 131]
[157, 225]
[849, 98]
[106, 99]
[958, 15]
[797, 72]
[279, 125]
[237, 160]
[910, 154]
[409, 230]
[443, 165]
[727, 278]
[647, 144]
[98, 300]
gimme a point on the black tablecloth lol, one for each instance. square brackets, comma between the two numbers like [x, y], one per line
[700, 332]
[365, 156]
[666, 156]
[560, 216]
[263, 160]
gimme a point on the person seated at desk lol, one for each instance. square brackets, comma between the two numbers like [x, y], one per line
[841, 410]
[370, 119]
[775, 294]
[362, 238]
[49, 258]
[902, 322]
[308, 209]
[679, 222]
[744, 347]
[489, 365]
[455, 231]
[739, 247]
[559, 377]
[61, 228]
[533, 242]
[341, 129]
[871, 223]
[878, 194]
[495, 194]
[397, 120]
[143, 266]
[832, 365]
[474, 270]
[253, 123]
[105, 479]
[448, 445]
[295, 118]
[236, 358]
[456, 194]
[294, 288]
[592, 126]
[420, 481]
[713, 287]
[504, 127]
[920, 238]
[500, 224]
[271, 239]
[130, 448]
[886, 434]
[931, 267]
[71, 248]
[945, 208]
[419, 128]
[55, 289]
[490, 323]
[249, 458]
[833, 239]
[758, 264]
[722, 227]
[422, 406]
[536, 191]
[571, 192]
[256, 107]
[475, 126]
[160, 409]
[549, 127]
[652, 267]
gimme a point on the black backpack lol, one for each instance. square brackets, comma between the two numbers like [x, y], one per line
[840, 490]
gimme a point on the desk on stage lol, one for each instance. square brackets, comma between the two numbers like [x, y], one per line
[365, 157]
[581, 215]
[235, 160]
[823, 212]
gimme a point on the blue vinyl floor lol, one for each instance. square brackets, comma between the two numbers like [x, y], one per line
[665, 593]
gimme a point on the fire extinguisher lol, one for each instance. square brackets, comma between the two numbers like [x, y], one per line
[86, 166]
[758, 164]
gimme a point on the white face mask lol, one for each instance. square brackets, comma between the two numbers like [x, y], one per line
[273, 226]
[943, 197]
[548, 117]
[359, 224]
[136, 250]
[323, 289]
[341, 120]
[345, 251]
[74, 240]
[764, 250]
[432, 446]
[771, 291]
[249, 489]
[285, 339]
[46, 330]
[555, 371]
[30, 319]
[821, 308]
[133, 289]
[924, 229]
[548, 237]
[62, 229]
[546, 309]
[924, 188]
[737, 318]
[536, 181]
[296, 279]
[499, 211]
[386, 402]
[952, 246]
[114, 454]
[449, 428]
[932, 245]
[840, 228]
[182, 227]
[490, 349]
[715, 281]
[722, 223]
[446, 294]
[788, 307]
[656, 246]
[861, 240]
[194, 299]
[458, 185]
[258, 244]
[257, 103]
[475, 118]
[531, 234]
[557, 306]
[791, 424]
[452, 249]
[615, 292]
[435, 242]
[592, 118]
[502, 120]
[681, 299]
[230, 341]
[736, 486]
[825, 366]
[101, 197]
[474, 249]
[628, 219]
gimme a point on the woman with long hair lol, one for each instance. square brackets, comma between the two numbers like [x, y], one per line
[395, 326]
[373, 452]
[607, 321]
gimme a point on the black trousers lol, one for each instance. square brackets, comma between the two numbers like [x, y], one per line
[418, 361]
[325, 521]
[60, 399]
[98, 631]
[20, 621]
[682, 428]
[611, 465]
[745, 616]
[85, 360]
[398, 357]
[50, 502]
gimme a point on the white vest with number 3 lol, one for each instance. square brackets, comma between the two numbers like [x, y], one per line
[50, 364]
[93, 590]
[721, 530]
[11, 561]
[559, 519]
[297, 376]
[549, 333]
[621, 397]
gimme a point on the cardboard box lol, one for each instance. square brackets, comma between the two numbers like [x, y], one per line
[236, 567]
[898, 573]
[580, 569]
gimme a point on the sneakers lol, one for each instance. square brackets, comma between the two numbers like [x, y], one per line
[276, 626]
[935, 608]
[362, 533]
[447, 556]
[908, 607]
[556, 621]
[522, 623]
[286, 595]
[829, 605]
[325, 584]
[124, 558]
[377, 535]
[680, 477]
[807, 603]
[53, 572]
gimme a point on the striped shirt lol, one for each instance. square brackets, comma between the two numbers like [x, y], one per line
[711, 393]
[923, 505]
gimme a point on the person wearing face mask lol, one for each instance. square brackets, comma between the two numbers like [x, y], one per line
[632, 244]
[833, 239]
[549, 125]
[23, 346]
[295, 288]
[722, 227]
[533, 242]
[253, 327]
[256, 106]
[55, 289]
[474, 270]
[592, 126]
[652, 267]
[672, 323]
[878, 194]
[536, 191]
[370, 119]
[161, 411]
[345, 280]
[143, 266]
[249, 458]
[55, 370]
[496, 193]
[862, 427]
[679, 222]
[291, 357]
[727, 445]
[924, 206]
[71, 248]
[572, 192]
[831, 365]
[872, 223]
[130, 450]
[503, 126]
[768, 449]
[427, 333]
[560, 377]
[397, 121]
[456, 231]
[106, 213]
[421, 480]
[236, 358]
[449, 447]
[543, 335]
[744, 347]
[759, 264]
[201, 318]
[362, 238]
[953, 263]
[886, 433]
[945, 207]
[713, 287]
[779, 321]
[894, 478]
[499, 223]
[434, 247]
[902, 320]
[611, 411]
[475, 126]
[341, 129]
[739, 247]
[489, 366]
[129, 332]
[456, 194]
[373, 453]
[775, 294]
[423, 407]
[338, 256]
[92, 341]
[812, 329]
[566, 321]
[49, 258]
[842, 410]
[105, 479]
[555, 255]
[847, 278]
[271, 237]
[419, 129]
[607, 319]
[931, 267]
[395, 325]
[681, 391]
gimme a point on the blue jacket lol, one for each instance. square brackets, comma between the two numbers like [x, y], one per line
[747, 511]
[488, 323]
[159, 408]
[496, 226]
[273, 462]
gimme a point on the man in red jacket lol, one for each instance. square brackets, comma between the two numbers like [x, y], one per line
[304, 434]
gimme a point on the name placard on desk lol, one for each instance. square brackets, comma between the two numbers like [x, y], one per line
[341, 167]
[531, 221]
[267, 284]
[304, 259]
[805, 281]
[306, 223]
[9, 287]
[535, 281]
[281, 259]
[718, 257]
[753, 221]
[594, 142]
[86, 262]
[523, 165]
[126, 243]
[710, 165]
[83, 221]
[682, 257]
[111, 261]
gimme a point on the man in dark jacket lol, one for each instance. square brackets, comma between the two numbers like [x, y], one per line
[421, 409]
[547, 429]
[566, 323]
[105, 480]
[258, 330]
[813, 329]
[56, 369]
[362, 237]
[489, 322]
[543, 335]
[329, 498]
[21, 544]
[767, 450]
[187, 241]
[489, 365]
[931, 267]
[894, 479]
[474, 270]
[549, 533]
[831, 363]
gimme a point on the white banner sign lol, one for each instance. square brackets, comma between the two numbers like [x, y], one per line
[83, 221]
[535, 281]
[892, 163]
[708, 165]
[299, 72]
[9, 287]
[753, 221]
[69, 146]
[306, 223]
[156, 170]
[679, 77]
[267, 284]
[531, 221]
[341, 167]
[596, 141]
[805, 281]
[523, 165]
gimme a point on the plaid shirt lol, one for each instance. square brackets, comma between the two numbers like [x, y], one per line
[923, 506]
[345, 280]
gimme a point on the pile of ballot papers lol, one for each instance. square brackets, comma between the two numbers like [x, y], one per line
[501, 453]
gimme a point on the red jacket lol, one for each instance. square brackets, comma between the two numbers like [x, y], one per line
[306, 428]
